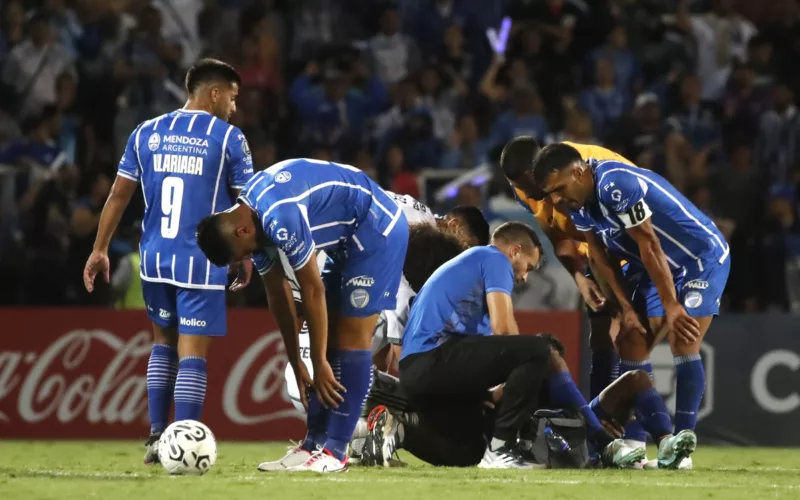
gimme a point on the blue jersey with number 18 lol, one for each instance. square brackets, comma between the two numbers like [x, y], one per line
[188, 163]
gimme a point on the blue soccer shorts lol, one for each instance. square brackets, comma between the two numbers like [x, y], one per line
[192, 311]
[365, 280]
[699, 290]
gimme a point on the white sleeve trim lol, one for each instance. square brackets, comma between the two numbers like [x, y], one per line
[311, 252]
[127, 176]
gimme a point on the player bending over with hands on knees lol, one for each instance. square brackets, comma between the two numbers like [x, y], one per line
[678, 259]
[190, 163]
[299, 206]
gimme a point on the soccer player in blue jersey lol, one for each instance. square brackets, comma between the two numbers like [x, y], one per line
[190, 163]
[300, 206]
[679, 261]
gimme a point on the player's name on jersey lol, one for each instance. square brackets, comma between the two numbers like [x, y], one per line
[178, 164]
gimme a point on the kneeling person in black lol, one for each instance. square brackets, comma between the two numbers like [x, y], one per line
[461, 339]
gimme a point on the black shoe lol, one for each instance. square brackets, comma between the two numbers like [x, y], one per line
[151, 449]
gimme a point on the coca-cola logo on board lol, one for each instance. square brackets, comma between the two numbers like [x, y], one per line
[62, 382]
[262, 363]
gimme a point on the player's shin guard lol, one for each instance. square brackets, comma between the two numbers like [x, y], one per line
[190, 388]
[633, 429]
[652, 414]
[162, 368]
[564, 393]
[354, 370]
[691, 383]
[605, 369]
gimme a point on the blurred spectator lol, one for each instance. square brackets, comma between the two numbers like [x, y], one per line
[454, 61]
[126, 285]
[431, 19]
[336, 112]
[721, 37]
[84, 221]
[526, 117]
[66, 93]
[421, 149]
[555, 18]
[43, 276]
[626, 67]
[13, 27]
[143, 66]
[401, 180]
[405, 99]
[780, 276]
[258, 65]
[577, 128]
[606, 102]
[32, 67]
[697, 121]
[642, 135]
[66, 26]
[394, 55]
[440, 101]
[777, 151]
[466, 149]
[180, 25]
[743, 106]
[761, 60]
[317, 24]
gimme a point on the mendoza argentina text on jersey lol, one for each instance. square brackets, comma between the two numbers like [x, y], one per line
[307, 205]
[626, 196]
[188, 163]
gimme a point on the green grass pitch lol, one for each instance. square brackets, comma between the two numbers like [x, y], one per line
[33, 470]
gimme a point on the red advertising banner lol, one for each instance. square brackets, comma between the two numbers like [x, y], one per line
[80, 373]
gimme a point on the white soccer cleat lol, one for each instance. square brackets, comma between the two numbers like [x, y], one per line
[674, 451]
[295, 457]
[504, 458]
[321, 461]
[621, 456]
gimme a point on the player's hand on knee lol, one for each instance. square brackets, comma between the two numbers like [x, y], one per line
[326, 386]
[629, 324]
[97, 263]
[682, 327]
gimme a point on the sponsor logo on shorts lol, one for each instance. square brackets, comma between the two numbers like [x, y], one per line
[154, 141]
[282, 177]
[692, 300]
[193, 322]
[697, 284]
[164, 314]
[362, 281]
[359, 298]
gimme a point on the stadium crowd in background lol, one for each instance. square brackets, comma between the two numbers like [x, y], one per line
[700, 91]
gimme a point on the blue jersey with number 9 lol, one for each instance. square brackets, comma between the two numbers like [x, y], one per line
[188, 163]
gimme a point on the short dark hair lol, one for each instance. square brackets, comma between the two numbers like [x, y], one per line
[208, 70]
[212, 242]
[517, 156]
[517, 232]
[553, 158]
[555, 344]
[428, 249]
[475, 221]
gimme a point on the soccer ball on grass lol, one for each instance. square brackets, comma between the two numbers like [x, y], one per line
[187, 447]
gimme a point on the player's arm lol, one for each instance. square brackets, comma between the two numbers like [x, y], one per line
[501, 314]
[288, 227]
[624, 194]
[239, 165]
[498, 280]
[574, 263]
[121, 193]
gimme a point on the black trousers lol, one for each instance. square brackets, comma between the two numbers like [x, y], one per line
[449, 384]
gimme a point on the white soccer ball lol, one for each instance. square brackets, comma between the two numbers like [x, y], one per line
[187, 447]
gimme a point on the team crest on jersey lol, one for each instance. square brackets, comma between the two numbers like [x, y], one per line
[693, 300]
[359, 298]
[154, 141]
[283, 177]
[245, 147]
